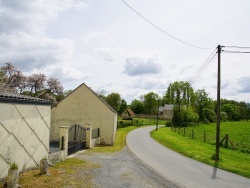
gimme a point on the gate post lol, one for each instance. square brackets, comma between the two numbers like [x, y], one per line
[89, 136]
[64, 132]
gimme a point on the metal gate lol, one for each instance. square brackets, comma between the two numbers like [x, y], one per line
[77, 139]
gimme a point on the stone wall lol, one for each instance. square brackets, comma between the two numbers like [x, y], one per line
[24, 130]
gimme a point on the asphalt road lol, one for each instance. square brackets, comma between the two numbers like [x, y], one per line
[177, 168]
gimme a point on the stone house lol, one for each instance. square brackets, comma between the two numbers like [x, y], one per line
[166, 111]
[24, 131]
[83, 106]
[128, 113]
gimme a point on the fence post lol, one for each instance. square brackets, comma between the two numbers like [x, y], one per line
[226, 144]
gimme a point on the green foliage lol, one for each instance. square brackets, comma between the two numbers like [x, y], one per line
[208, 115]
[184, 116]
[123, 106]
[150, 103]
[137, 106]
[203, 105]
[179, 93]
[230, 160]
[114, 100]
[13, 166]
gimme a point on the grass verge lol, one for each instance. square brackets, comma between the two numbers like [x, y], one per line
[120, 141]
[230, 160]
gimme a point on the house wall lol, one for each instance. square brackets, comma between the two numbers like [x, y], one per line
[168, 114]
[24, 135]
[83, 106]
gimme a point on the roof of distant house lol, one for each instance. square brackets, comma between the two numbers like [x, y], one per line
[17, 98]
[130, 111]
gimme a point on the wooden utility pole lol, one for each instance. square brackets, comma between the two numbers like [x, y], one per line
[217, 151]
[157, 117]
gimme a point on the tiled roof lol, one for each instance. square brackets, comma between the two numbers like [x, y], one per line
[130, 111]
[13, 97]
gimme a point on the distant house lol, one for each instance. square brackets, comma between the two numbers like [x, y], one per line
[166, 111]
[128, 113]
[84, 106]
[24, 131]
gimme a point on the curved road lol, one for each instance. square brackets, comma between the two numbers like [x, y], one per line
[177, 168]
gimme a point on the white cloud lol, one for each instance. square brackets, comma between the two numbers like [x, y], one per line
[142, 65]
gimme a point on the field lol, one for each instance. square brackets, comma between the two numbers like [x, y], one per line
[238, 134]
[236, 161]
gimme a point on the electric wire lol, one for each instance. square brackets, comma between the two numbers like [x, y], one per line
[202, 67]
[239, 52]
[162, 29]
[241, 47]
[210, 61]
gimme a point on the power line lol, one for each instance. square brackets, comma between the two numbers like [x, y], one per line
[241, 47]
[239, 52]
[202, 67]
[162, 29]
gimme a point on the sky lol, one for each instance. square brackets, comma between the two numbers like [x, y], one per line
[108, 46]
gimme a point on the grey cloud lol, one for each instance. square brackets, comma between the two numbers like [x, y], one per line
[139, 66]
[244, 83]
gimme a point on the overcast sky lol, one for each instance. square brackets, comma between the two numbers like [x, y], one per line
[107, 46]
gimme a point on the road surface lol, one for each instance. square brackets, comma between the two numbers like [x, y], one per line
[177, 168]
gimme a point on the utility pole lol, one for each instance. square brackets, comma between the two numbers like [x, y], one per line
[157, 117]
[218, 107]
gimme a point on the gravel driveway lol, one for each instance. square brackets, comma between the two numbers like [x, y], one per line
[122, 169]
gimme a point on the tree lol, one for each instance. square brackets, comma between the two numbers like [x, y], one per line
[202, 103]
[102, 94]
[137, 106]
[184, 117]
[179, 93]
[114, 100]
[150, 103]
[36, 85]
[123, 106]
[11, 79]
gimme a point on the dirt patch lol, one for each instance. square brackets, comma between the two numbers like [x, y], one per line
[122, 169]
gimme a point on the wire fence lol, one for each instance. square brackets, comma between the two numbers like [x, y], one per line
[242, 144]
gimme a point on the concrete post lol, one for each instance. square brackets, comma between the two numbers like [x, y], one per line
[64, 135]
[89, 136]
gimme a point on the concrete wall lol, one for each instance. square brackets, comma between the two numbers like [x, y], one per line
[24, 135]
[84, 106]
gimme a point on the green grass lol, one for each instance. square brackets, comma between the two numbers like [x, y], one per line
[238, 132]
[230, 160]
[120, 141]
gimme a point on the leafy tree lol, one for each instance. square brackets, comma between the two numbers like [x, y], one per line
[137, 106]
[202, 103]
[208, 115]
[179, 93]
[184, 117]
[150, 103]
[114, 100]
[123, 106]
